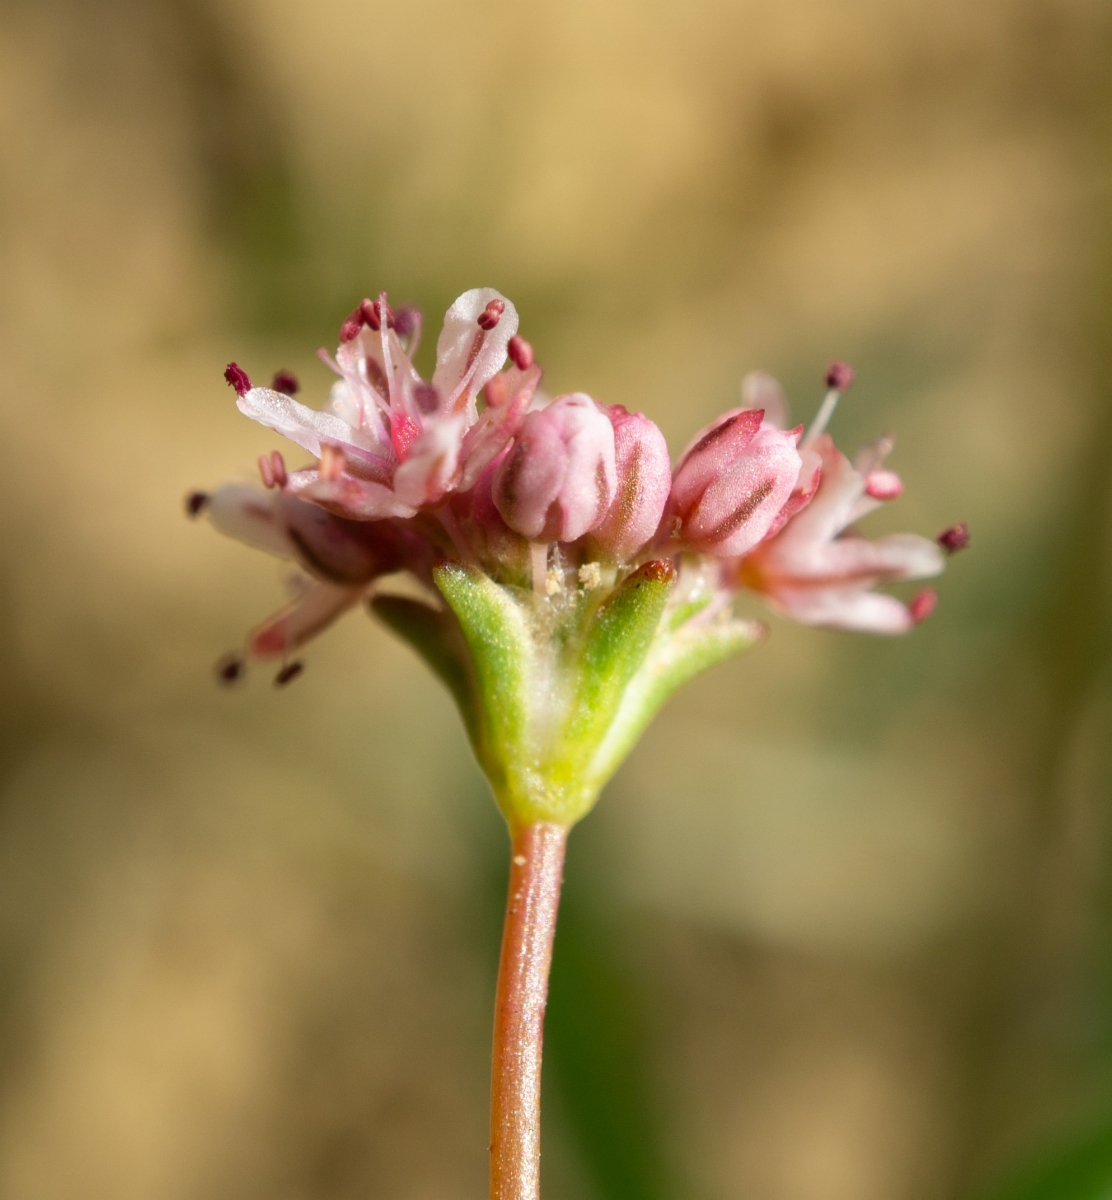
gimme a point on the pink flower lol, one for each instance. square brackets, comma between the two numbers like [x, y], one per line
[732, 483]
[644, 479]
[819, 571]
[341, 557]
[558, 479]
[389, 443]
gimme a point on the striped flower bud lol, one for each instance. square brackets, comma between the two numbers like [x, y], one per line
[558, 479]
[732, 482]
[644, 478]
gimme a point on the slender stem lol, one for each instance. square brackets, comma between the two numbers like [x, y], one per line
[536, 872]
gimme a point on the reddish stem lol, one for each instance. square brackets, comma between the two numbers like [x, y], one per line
[536, 872]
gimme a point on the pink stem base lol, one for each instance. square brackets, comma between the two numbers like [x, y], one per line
[536, 873]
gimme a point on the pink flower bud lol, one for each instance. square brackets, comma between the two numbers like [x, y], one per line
[732, 482]
[558, 479]
[644, 474]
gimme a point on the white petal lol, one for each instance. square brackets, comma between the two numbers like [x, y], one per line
[308, 428]
[453, 348]
[251, 515]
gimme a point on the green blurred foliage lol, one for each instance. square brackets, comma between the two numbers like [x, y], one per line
[840, 929]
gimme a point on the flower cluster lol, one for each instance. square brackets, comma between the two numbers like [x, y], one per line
[558, 496]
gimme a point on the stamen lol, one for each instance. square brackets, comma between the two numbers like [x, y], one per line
[492, 314]
[288, 673]
[230, 669]
[285, 382]
[520, 352]
[839, 376]
[538, 553]
[883, 485]
[922, 604]
[353, 322]
[372, 313]
[196, 503]
[237, 377]
[406, 319]
[272, 468]
[332, 462]
[554, 582]
[955, 538]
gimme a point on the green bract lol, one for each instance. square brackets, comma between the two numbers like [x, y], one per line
[555, 691]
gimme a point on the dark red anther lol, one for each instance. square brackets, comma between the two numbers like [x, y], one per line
[839, 376]
[237, 377]
[922, 604]
[520, 352]
[353, 322]
[492, 314]
[195, 503]
[372, 314]
[406, 319]
[955, 538]
[288, 673]
[426, 397]
[230, 669]
[285, 382]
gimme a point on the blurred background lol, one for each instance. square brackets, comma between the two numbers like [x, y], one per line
[842, 928]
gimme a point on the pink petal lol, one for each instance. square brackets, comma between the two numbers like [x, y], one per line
[761, 390]
[845, 608]
[347, 496]
[711, 450]
[305, 618]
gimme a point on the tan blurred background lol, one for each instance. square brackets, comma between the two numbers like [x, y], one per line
[839, 931]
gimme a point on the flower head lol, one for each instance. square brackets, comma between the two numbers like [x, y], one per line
[820, 571]
[571, 581]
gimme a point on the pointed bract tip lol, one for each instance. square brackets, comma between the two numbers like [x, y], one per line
[288, 673]
[657, 570]
[285, 382]
[520, 352]
[196, 503]
[839, 376]
[955, 538]
[230, 669]
[492, 314]
[237, 377]
[922, 604]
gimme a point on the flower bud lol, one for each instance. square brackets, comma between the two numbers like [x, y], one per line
[732, 482]
[558, 479]
[644, 478]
